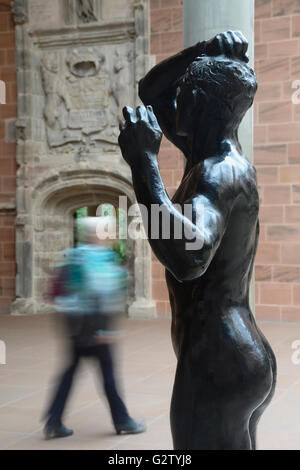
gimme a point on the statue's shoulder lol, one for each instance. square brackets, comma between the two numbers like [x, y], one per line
[227, 174]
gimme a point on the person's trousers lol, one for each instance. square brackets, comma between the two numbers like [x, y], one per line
[103, 354]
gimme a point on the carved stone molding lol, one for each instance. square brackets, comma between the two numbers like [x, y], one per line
[104, 33]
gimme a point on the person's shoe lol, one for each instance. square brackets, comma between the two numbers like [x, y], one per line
[56, 430]
[131, 427]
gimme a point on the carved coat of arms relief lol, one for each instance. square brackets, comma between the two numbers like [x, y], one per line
[84, 89]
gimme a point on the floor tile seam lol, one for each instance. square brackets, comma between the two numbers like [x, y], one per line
[28, 436]
[37, 430]
[275, 401]
[4, 431]
[142, 379]
[282, 340]
[133, 436]
[25, 396]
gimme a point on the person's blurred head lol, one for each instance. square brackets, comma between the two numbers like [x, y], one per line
[97, 230]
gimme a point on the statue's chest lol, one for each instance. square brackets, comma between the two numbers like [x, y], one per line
[185, 191]
[189, 186]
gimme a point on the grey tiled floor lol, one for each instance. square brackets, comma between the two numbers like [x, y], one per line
[34, 356]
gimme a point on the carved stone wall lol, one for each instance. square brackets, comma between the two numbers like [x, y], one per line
[78, 62]
[85, 87]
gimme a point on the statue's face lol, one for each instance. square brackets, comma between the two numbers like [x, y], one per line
[186, 104]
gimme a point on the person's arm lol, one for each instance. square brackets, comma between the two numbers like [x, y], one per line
[159, 87]
[184, 257]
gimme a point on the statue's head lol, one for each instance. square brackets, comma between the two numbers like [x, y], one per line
[216, 90]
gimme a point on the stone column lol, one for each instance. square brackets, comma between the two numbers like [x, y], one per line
[204, 19]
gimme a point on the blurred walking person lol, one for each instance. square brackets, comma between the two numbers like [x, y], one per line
[90, 291]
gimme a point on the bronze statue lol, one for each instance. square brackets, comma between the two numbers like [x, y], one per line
[226, 370]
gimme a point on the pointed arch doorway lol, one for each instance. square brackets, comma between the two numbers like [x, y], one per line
[50, 229]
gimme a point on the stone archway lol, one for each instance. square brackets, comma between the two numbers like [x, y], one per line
[41, 237]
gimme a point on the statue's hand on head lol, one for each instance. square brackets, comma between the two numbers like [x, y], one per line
[140, 135]
[232, 44]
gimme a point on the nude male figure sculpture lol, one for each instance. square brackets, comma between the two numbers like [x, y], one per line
[226, 369]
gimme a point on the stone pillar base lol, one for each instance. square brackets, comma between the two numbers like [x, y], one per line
[30, 307]
[23, 307]
[142, 309]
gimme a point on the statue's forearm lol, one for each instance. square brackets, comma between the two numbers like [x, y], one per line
[171, 251]
[150, 190]
[164, 75]
[148, 185]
